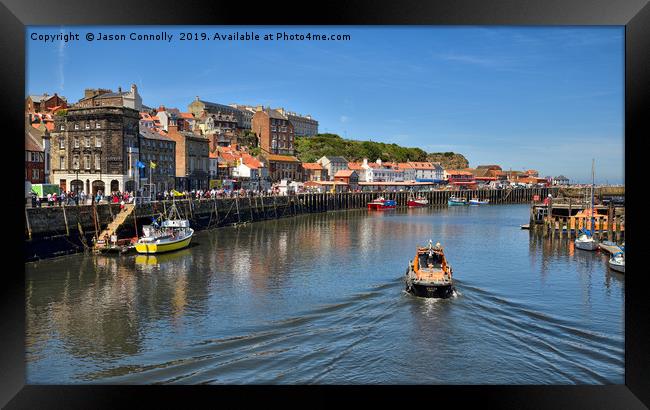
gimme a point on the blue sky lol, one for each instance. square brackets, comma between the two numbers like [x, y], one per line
[547, 98]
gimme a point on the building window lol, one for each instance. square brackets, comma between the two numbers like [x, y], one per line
[76, 126]
[98, 163]
[35, 173]
[87, 142]
[62, 143]
[86, 161]
[98, 125]
[61, 162]
[87, 125]
[75, 162]
[62, 127]
[98, 142]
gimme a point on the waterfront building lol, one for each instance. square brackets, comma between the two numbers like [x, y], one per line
[158, 154]
[532, 173]
[303, 125]
[35, 153]
[359, 169]
[460, 178]
[282, 167]
[313, 171]
[560, 181]
[333, 164]
[98, 97]
[95, 148]
[274, 132]
[422, 171]
[377, 172]
[192, 159]
[349, 177]
[251, 173]
[45, 104]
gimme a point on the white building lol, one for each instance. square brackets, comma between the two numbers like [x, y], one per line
[378, 173]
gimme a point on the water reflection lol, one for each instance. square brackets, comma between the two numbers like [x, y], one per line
[319, 298]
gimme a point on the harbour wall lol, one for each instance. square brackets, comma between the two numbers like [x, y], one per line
[60, 230]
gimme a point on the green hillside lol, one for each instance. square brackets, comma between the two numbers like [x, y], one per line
[309, 149]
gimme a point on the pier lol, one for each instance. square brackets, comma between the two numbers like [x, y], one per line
[565, 217]
[60, 230]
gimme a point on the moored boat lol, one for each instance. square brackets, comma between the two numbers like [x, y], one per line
[617, 262]
[171, 234]
[415, 202]
[586, 241]
[428, 274]
[453, 200]
[476, 201]
[382, 203]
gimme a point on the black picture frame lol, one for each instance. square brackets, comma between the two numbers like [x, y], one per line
[16, 14]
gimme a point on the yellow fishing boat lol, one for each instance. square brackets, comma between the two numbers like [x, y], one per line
[172, 234]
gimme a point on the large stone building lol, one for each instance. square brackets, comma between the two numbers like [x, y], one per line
[274, 132]
[219, 128]
[247, 112]
[158, 154]
[95, 148]
[192, 159]
[303, 125]
[200, 108]
[98, 97]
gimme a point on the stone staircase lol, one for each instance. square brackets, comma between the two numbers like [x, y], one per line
[113, 226]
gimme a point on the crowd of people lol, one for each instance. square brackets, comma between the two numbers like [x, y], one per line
[69, 198]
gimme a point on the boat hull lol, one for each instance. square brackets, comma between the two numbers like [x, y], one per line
[587, 245]
[429, 290]
[456, 203]
[617, 267]
[380, 206]
[417, 204]
[153, 248]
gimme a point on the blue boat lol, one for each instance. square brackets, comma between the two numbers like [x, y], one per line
[453, 201]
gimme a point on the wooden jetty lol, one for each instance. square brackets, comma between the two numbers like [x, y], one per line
[560, 218]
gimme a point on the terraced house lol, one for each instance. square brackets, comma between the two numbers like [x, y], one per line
[158, 154]
[192, 159]
[95, 148]
[274, 131]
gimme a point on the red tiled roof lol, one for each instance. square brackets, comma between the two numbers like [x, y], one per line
[456, 172]
[355, 165]
[344, 173]
[312, 165]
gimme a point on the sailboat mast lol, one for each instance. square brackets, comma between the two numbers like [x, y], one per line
[593, 229]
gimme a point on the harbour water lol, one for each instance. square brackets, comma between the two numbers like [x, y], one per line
[319, 298]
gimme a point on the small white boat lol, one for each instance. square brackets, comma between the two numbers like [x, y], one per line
[617, 262]
[586, 242]
[475, 201]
